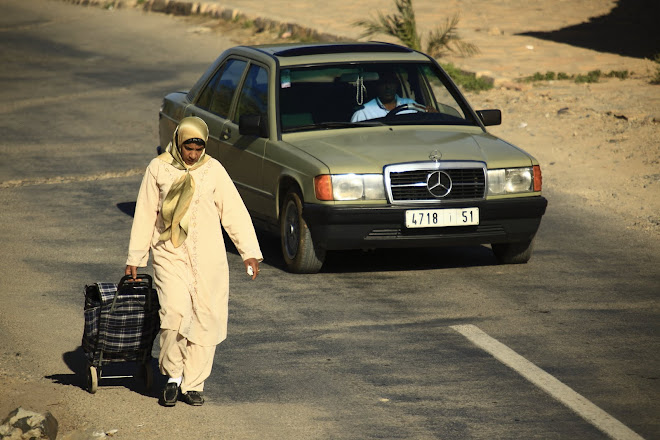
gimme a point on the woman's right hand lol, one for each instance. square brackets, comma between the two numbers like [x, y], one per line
[132, 271]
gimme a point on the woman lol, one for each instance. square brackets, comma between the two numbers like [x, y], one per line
[183, 193]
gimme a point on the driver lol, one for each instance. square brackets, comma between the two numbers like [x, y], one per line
[386, 100]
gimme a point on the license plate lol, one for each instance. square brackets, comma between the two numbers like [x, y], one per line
[437, 218]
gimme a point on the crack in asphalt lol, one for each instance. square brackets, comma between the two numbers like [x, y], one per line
[70, 179]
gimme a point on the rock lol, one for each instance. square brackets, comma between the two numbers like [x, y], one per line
[88, 434]
[198, 30]
[503, 83]
[617, 115]
[23, 424]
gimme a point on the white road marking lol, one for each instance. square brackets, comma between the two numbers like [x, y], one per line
[561, 392]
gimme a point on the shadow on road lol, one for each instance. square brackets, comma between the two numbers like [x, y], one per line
[381, 260]
[77, 363]
[630, 29]
[127, 208]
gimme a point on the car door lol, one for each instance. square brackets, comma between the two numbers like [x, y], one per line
[242, 156]
[214, 102]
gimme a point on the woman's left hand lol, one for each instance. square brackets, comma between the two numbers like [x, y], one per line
[252, 263]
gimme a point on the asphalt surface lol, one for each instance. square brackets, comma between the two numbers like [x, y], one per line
[368, 348]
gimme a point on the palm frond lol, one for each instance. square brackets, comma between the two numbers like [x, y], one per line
[446, 39]
[401, 26]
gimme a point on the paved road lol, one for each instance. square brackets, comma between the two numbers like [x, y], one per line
[375, 346]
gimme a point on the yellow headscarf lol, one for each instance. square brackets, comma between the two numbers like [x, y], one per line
[178, 199]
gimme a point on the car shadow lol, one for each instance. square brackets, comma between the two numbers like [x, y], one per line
[408, 259]
[382, 260]
[629, 29]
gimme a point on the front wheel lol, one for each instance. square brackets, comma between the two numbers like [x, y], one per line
[92, 379]
[300, 254]
[513, 253]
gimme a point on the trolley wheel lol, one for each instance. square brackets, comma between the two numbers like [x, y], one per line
[92, 379]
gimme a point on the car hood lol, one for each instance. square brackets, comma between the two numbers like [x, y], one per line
[368, 150]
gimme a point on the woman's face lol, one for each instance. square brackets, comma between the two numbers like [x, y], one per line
[190, 152]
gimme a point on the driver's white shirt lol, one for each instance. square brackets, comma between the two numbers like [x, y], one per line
[375, 109]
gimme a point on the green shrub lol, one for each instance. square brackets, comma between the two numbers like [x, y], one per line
[467, 81]
[590, 77]
[621, 74]
[538, 76]
[656, 78]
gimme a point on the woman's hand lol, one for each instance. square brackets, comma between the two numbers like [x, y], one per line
[252, 263]
[132, 271]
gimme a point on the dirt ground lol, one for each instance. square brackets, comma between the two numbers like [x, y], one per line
[598, 145]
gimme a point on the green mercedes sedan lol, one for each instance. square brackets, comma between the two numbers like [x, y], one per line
[361, 146]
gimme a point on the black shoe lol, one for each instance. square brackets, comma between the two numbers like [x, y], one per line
[170, 394]
[194, 398]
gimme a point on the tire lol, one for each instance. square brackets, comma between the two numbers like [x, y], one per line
[513, 253]
[92, 379]
[298, 250]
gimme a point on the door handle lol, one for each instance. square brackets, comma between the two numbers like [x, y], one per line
[225, 134]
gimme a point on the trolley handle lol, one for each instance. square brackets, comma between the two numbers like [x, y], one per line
[141, 280]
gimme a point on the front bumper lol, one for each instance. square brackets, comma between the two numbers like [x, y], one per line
[369, 226]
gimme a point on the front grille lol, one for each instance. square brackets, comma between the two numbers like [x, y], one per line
[408, 182]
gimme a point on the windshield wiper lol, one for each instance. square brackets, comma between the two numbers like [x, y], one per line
[321, 125]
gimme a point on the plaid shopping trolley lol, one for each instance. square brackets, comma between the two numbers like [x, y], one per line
[121, 323]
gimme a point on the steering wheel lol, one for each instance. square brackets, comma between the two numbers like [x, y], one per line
[403, 107]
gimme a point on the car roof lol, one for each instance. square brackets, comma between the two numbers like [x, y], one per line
[299, 53]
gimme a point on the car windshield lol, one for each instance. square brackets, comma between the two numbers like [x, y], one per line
[354, 95]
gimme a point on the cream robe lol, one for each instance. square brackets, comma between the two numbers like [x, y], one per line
[192, 280]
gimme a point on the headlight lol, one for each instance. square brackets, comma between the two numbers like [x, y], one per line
[511, 181]
[349, 187]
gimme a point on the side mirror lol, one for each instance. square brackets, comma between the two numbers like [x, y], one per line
[490, 117]
[253, 125]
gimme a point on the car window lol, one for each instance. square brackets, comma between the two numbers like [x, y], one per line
[446, 102]
[253, 99]
[216, 97]
[317, 97]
